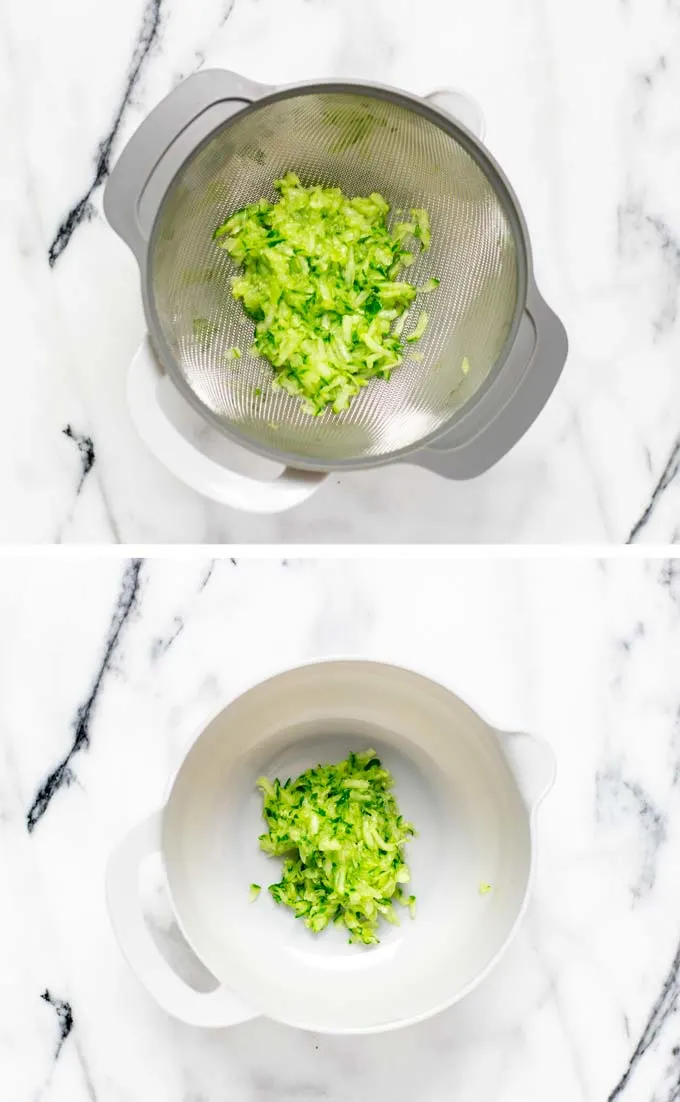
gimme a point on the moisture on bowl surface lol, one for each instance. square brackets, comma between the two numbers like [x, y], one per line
[342, 836]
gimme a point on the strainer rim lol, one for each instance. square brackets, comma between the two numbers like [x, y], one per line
[523, 260]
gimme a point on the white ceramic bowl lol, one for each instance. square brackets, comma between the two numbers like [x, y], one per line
[471, 791]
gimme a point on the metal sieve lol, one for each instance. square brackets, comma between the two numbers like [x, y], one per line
[492, 352]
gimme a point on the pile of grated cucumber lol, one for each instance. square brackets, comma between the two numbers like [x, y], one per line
[321, 279]
[342, 836]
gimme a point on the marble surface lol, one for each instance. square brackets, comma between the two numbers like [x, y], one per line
[110, 666]
[581, 106]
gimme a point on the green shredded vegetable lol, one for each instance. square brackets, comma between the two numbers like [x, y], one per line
[255, 890]
[421, 326]
[341, 835]
[422, 221]
[321, 280]
[484, 888]
[431, 285]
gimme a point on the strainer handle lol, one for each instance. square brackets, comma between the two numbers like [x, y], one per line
[210, 1009]
[191, 466]
[511, 404]
[156, 150]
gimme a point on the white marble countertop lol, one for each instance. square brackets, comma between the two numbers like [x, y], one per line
[108, 669]
[581, 106]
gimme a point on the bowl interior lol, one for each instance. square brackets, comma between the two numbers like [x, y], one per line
[451, 780]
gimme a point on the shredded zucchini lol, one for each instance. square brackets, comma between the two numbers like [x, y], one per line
[341, 835]
[320, 279]
[255, 890]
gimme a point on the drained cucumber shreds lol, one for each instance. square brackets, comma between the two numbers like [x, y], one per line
[421, 326]
[320, 279]
[341, 835]
[422, 223]
[255, 890]
[431, 285]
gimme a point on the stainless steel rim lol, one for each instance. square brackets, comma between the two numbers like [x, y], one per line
[511, 209]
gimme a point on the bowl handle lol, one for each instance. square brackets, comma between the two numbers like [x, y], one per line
[191, 466]
[461, 107]
[512, 402]
[532, 762]
[156, 150]
[216, 1008]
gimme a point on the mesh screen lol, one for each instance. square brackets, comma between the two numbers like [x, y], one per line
[361, 144]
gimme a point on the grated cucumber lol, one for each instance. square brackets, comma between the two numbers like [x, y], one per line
[341, 835]
[320, 279]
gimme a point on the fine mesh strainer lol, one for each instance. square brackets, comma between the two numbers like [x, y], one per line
[492, 352]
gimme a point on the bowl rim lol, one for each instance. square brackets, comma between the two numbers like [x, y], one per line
[309, 1025]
